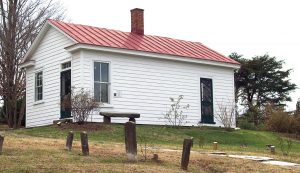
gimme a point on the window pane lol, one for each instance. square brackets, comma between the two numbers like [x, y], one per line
[39, 79]
[97, 71]
[36, 94]
[104, 93]
[66, 65]
[97, 92]
[104, 72]
[39, 82]
[39, 86]
[40, 93]
[40, 96]
[40, 90]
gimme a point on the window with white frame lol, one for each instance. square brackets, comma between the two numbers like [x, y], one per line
[101, 82]
[66, 65]
[39, 86]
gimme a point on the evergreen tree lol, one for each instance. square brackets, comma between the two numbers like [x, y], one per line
[261, 81]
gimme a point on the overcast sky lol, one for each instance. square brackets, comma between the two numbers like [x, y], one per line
[248, 27]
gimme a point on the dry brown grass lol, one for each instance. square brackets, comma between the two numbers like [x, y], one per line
[32, 154]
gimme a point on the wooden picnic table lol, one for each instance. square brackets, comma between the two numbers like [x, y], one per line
[107, 116]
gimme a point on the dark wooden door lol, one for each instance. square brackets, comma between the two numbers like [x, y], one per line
[207, 111]
[65, 94]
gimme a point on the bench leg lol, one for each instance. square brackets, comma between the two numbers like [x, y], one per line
[132, 120]
[106, 120]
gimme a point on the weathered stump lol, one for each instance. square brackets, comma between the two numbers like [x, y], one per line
[185, 158]
[1, 143]
[84, 143]
[272, 149]
[215, 145]
[69, 140]
[130, 141]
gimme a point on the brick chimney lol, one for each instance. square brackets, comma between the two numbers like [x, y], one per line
[137, 21]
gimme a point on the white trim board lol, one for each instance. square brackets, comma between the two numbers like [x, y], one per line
[77, 47]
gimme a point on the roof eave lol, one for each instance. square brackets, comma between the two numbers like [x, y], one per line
[77, 47]
[39, 38]
[27, 64]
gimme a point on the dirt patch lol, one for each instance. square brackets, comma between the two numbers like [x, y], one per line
[88, 126]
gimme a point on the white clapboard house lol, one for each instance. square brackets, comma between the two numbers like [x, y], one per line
[127, 71]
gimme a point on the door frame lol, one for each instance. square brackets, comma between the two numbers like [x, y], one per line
[200, 99]
[63, 70]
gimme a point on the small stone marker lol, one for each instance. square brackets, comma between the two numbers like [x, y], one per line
[69, 140]
[130, 141]
[185, 158]
[215, 145]
[272, 149]
[84, 143]
[1, 143]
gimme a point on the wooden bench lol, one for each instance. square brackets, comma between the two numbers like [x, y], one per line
[107, 116]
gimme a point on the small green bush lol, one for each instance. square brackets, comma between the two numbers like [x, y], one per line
[202, 141]
[244, 123]
[285, 145]
[261, 127]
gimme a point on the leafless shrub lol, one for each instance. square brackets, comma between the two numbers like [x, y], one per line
[285, 145]
[81, 103]
[175, 115]
[147, 143]
[280, 121]
[226, 113]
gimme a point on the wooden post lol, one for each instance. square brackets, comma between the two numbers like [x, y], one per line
[130, 141]
[215, 145]
[84, 143]
[1, 143]
[69, 140]
[272, 149]
[185, 158]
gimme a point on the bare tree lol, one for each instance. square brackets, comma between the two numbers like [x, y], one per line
[175, 115]
[81, 103]
[20, 22]
[226, 113]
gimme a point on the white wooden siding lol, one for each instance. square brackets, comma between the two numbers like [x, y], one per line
[48, 57]
[146, 85]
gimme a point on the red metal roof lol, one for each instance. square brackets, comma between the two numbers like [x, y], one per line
[125, 40]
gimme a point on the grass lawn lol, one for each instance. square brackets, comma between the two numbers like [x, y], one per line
[255, 141]
[37, 154]
[41, 149]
